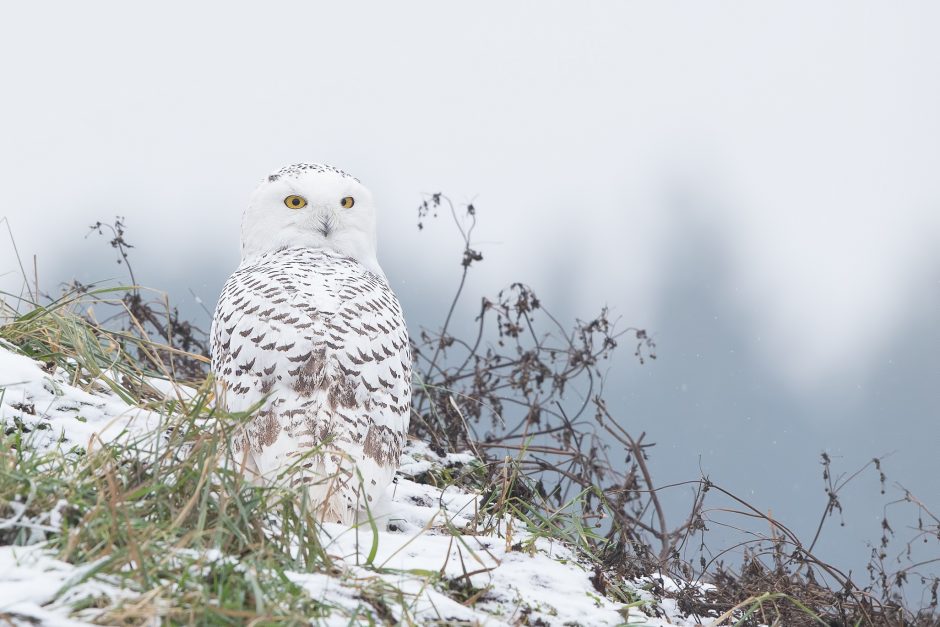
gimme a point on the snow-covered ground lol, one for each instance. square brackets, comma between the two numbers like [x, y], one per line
[419, 535]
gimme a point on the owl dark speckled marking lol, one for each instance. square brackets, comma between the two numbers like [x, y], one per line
[308, 328]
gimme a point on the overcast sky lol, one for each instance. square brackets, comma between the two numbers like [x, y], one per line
[755, 184]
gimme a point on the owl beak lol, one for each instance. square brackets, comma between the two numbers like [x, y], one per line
[325, 222]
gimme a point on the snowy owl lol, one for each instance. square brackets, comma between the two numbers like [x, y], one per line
[308, 330]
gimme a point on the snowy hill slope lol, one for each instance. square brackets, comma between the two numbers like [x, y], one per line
[424, 558]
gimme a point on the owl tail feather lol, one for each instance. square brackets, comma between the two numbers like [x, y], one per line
[336, 512]
[332, 490]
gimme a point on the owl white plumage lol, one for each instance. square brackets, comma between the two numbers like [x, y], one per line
[309, 328]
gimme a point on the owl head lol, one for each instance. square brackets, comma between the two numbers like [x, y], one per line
[313, 206]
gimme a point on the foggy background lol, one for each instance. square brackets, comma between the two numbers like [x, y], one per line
[756, 185]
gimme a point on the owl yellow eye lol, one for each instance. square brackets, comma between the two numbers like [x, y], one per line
[295, 202]
[347, 202]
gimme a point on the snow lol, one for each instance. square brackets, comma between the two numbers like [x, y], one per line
[34, 586]
[422, 545]
[64, 412]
